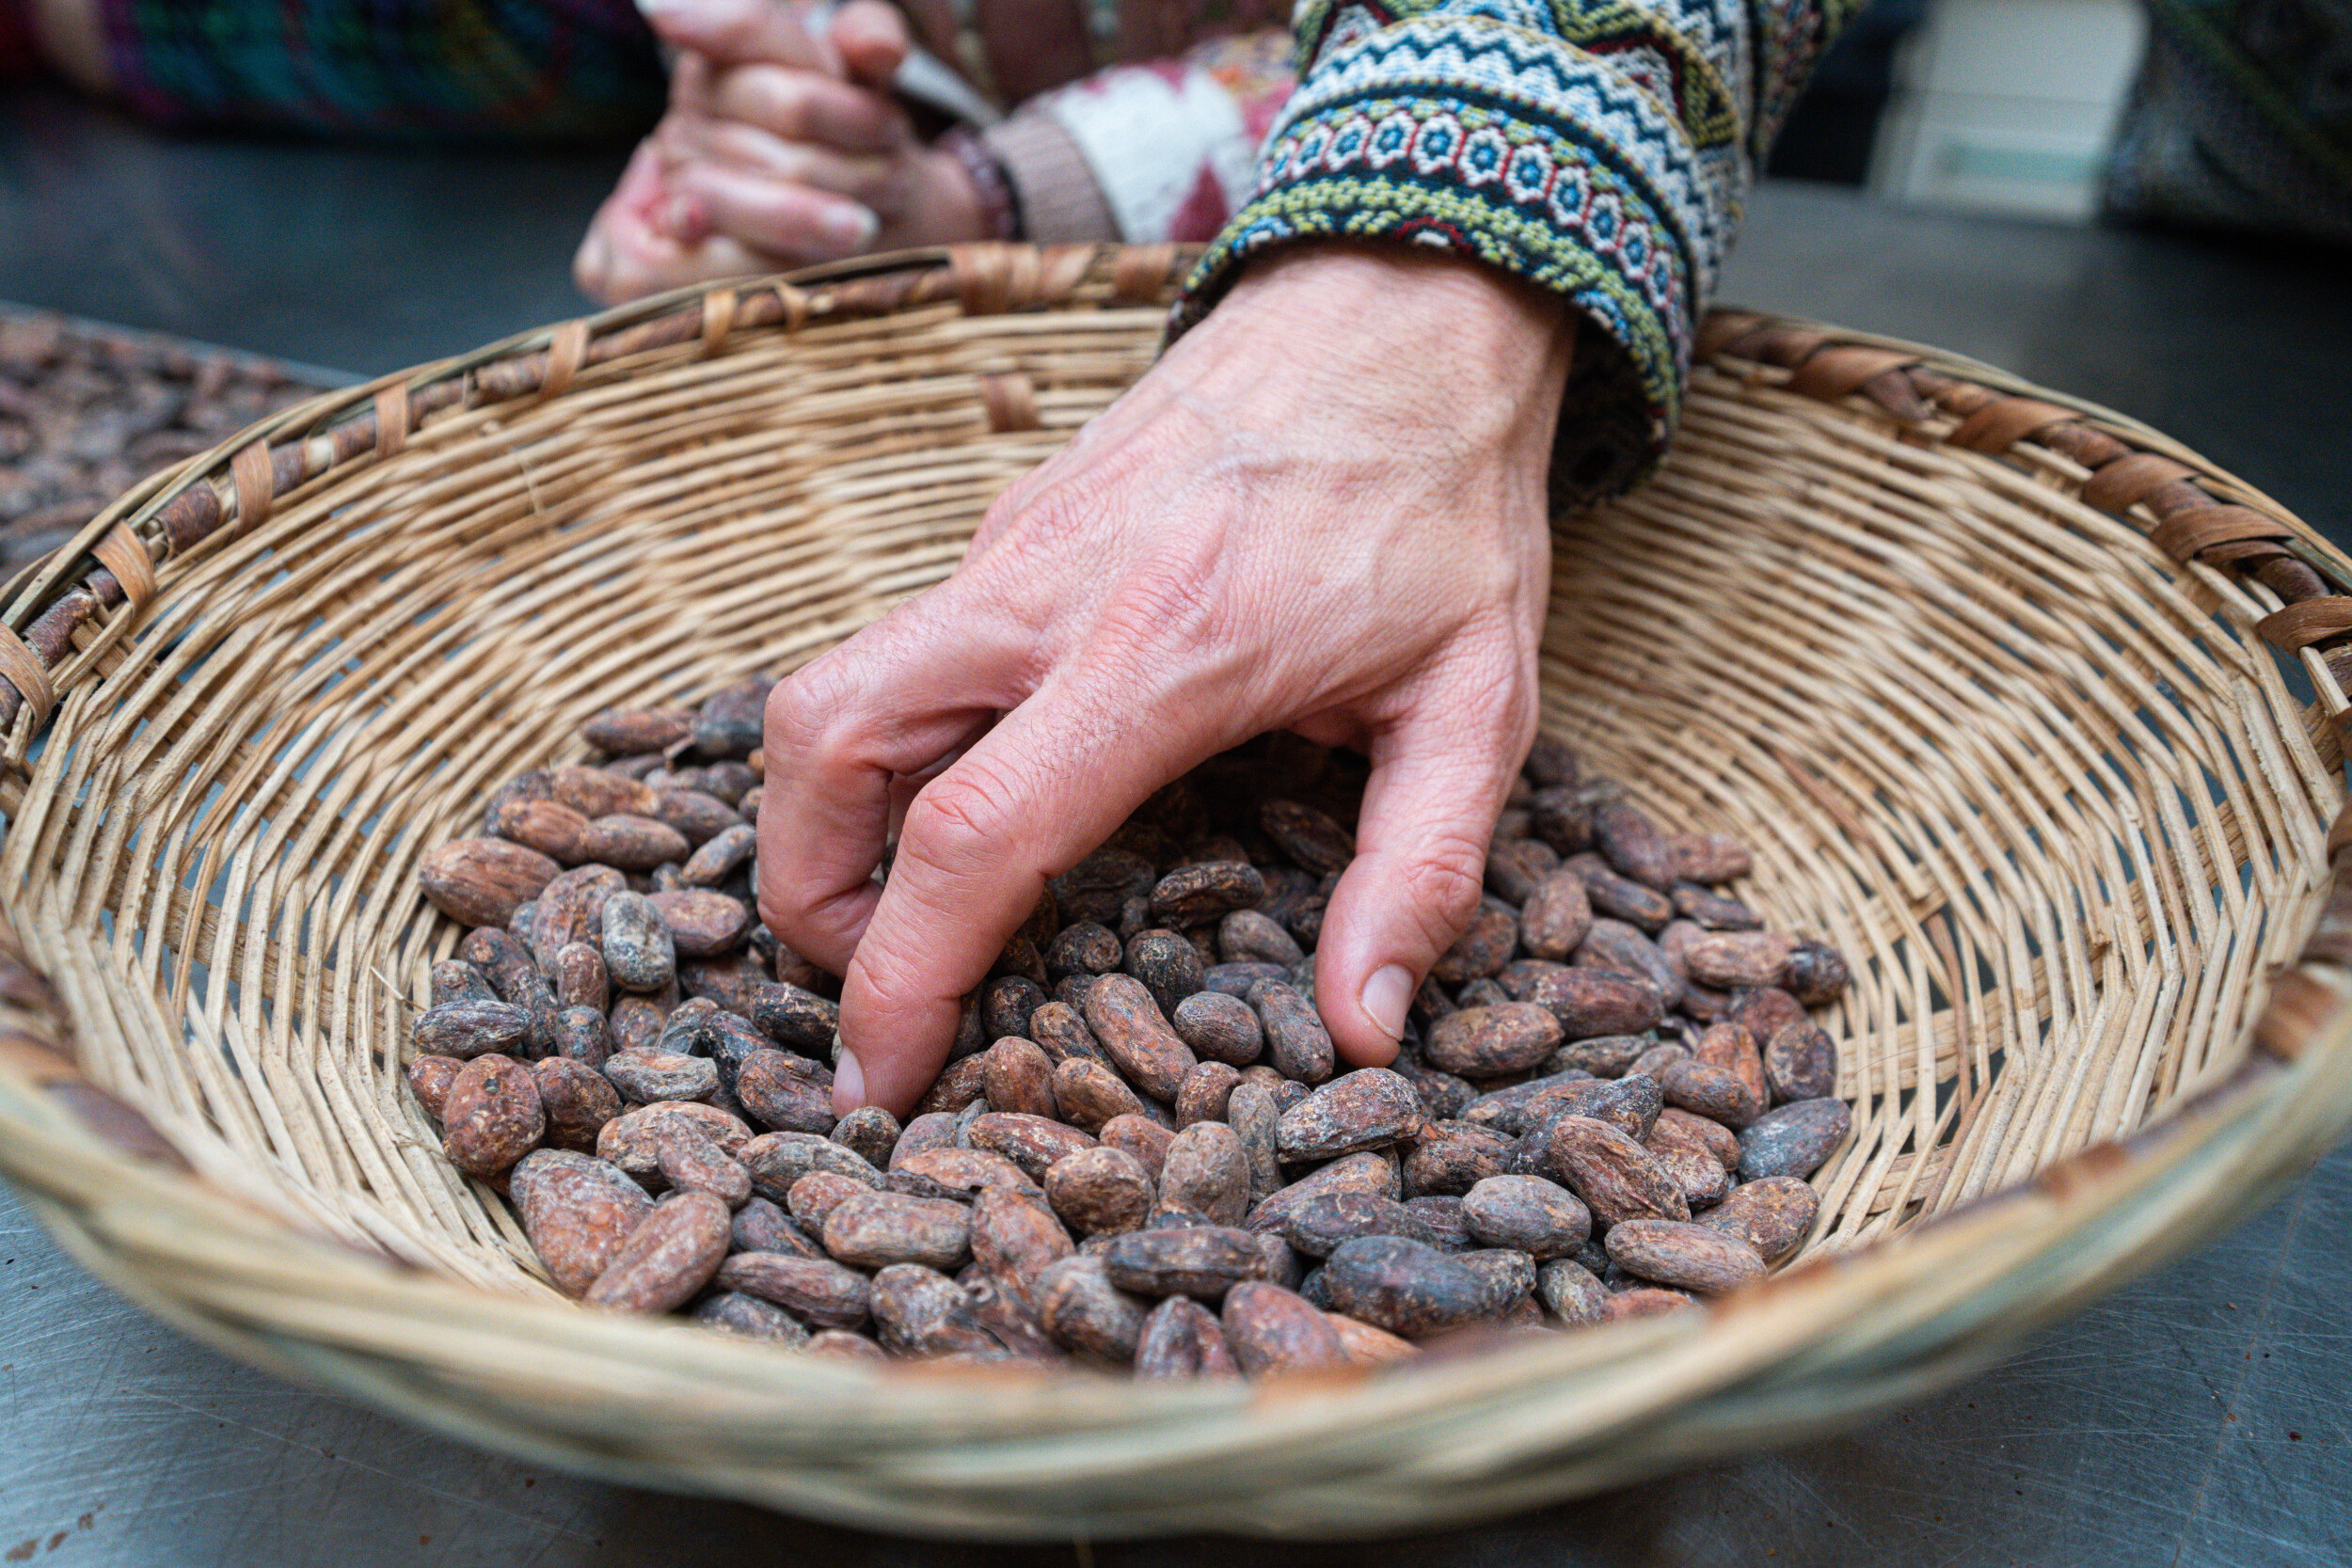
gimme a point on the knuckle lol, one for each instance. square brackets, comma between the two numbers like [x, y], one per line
[959, 822]
[1443, 882]
[806, 704]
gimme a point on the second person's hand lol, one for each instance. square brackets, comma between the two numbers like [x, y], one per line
[1323, 509]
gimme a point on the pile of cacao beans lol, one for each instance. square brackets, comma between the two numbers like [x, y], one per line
[1143, 1153]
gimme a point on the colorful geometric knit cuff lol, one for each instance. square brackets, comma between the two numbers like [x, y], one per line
[1524, 153]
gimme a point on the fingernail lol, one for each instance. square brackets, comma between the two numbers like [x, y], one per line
[848, 1085]
[852, 225]
[1387, 995]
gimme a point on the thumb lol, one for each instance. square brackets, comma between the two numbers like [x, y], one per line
[871, 38]
[1438, 784]
[744, 32]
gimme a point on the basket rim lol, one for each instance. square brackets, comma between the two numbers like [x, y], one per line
[63, 1137]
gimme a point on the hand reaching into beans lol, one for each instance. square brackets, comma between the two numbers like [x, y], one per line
[1290, 522]
[782, 146]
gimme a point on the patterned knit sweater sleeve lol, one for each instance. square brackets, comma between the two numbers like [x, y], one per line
[1148, 150]
[1600, 148]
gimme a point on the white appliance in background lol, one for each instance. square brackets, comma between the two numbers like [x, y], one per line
[2008, 105]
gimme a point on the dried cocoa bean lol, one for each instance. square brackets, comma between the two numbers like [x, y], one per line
[1313, 840]
[1199, 1260]
[1570, 1293]
[1220, 1027]
[1273, 1331]
[1713, 1092]
[761, 1227]
[1801, 1063]
[1795, 1140]
[1205, 1169]
[581, 980]
[429, 1079]
[869, 1132]
[1508, 1274]
[1816, 975]
[638, 952]
[1085, 1312]
[701, 923]
[1557, 915]
[1354, 1173]
[1083, 947]
[1483, 947]
[1166, 963]
[815, 1196]
[636, 1023]
[1603, 1055]
[1517, 869]
[1015, 1075]
[575, 1099]
[1100, 1191]
[1712, 911]
[479, 881]
[1123, 1016]
[691, 1162]
[921, 1313]
[1614, 947]
[1536, 1216]
[645, 1076]
[1200, 893]
[1617, 1178]
[1181, 1339]
[876, 1230]
[1452, 1157]
[577, 1213]
[1298, 1047]
[1369, 1108]
[1032, 1143]
[777, 1160]
[1488, 1042]
[492, 1116]
[1588, 1002]
[1317, 1226]
[673, 1253]
[795, 1017]
[1204, 1093]
[1142, 1138]
[625, 732]
[1728, 960]
[1015, 1236]
[818, 1290]
[1406, 1287]
[733, 1313]
[1729, 1046]
[1692, 1256]
[455, 980]
[1235, 980]
[1773, 1214]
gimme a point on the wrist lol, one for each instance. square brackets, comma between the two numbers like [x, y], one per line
[965, 192]
[1403, 305]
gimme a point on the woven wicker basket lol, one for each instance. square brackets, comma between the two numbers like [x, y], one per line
[2015, 697]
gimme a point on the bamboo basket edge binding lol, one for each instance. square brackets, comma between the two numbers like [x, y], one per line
[1828, 1341]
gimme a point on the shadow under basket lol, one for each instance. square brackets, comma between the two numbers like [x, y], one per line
[2034, 715]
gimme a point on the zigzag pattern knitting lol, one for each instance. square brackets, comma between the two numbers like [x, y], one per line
[1601, 149]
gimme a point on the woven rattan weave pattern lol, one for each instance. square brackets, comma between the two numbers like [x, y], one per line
[1989, 680]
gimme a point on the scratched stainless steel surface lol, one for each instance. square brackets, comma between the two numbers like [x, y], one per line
[2196, 1417]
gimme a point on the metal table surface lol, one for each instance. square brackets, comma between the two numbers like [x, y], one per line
[2197, 1417]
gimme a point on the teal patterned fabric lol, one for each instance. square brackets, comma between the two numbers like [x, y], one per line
[1597, 148]
[401, 69]
[2241, 117]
